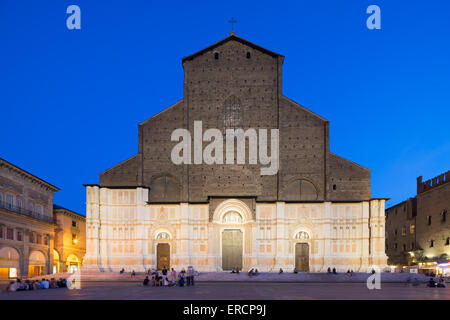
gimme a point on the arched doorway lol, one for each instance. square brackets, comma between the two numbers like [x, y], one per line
[55, 261]
[72, 263]
[232, 242]
[9, 263]
[162, 250]
[36, 264]
[302, 251]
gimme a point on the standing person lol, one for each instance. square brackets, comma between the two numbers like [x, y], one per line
[164, 271]
[190, 276]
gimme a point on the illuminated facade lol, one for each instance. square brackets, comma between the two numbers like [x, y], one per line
[315, 212]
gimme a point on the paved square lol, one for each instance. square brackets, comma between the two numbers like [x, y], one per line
[233, 291]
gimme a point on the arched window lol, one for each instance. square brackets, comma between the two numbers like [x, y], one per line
[163, 236]
[232, 218]
[302, 235]
[232, 114]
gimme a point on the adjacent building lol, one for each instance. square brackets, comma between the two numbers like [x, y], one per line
[70, 240]
[316, 211]
[418, 230]
[28, 227]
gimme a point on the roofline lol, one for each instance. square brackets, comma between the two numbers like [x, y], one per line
[163, 110]
[65, 209]
[115, 187]
[230, 37]
[120, 163]
[304, 108]
[30, 175]
[360, 166]
[400, 203]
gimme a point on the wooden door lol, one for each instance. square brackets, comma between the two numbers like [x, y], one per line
[232, 242]
[163, 256]
[302, 257]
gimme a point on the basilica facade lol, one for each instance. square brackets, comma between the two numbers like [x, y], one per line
[315, 211]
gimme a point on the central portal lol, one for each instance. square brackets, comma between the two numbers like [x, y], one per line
[163, 256]
[302, 257]
[232, 241]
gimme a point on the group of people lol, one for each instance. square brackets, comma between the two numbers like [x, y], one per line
[253, 272]
[333, 272]
[433, 284]
[166, 278]
[19, 285]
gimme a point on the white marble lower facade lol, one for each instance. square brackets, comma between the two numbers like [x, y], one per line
[124, 231]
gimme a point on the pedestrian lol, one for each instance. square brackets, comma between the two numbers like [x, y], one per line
[334, 271]
[190, 276]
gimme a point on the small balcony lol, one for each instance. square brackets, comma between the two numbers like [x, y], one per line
[25, 212]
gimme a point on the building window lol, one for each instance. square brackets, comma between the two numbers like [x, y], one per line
[74, 239]
[1, 199]
[163, 236]
[248, 55]
[31, 206]
[10, 234]
[395, 246]
[404, 247]
[404, 231]
[334, 187]
[232, 115]
[46, 240]
[302, 235]
[74, 223]
[1, 232]
[9, 201]
[412, 245]
[447, 241]
[216, 55]
[431, 243]
[412, 228]
[38, 239]
[444, 216]
[39, 211]
[232, 218]
[395, 232]
[19, 204]
[429, 220]
[19, 236]
[31, 238]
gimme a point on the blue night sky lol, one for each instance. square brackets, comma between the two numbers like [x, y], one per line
[70, 100]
